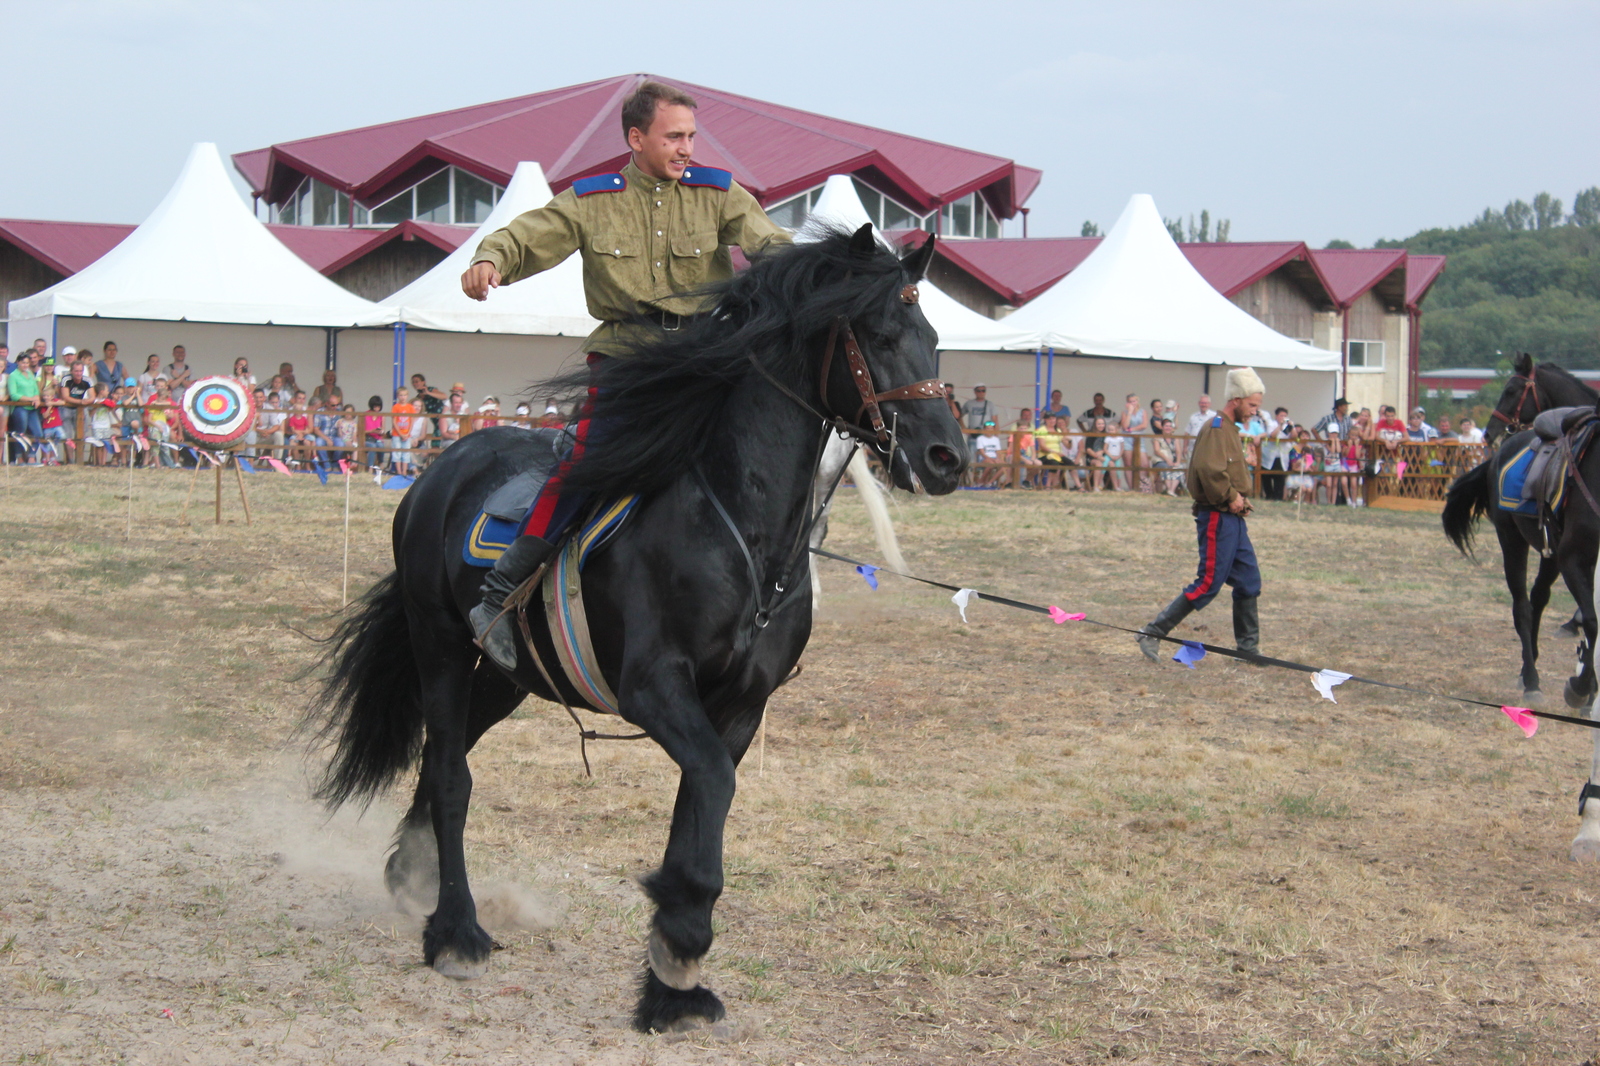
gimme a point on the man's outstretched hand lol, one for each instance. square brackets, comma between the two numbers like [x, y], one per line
[479, 279]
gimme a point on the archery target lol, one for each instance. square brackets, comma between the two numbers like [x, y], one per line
[217, 410]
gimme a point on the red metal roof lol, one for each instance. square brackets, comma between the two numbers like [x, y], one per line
[1421, 272]
[332, 248]
[65, 247]
[1236, 265]
[1350, 272]
[1017, 269]
[772, 150]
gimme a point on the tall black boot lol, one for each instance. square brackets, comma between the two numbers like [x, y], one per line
[1170, 616]
[1247, 625]
[498, 639]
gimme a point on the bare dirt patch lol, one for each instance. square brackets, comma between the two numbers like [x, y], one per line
[1004, 840]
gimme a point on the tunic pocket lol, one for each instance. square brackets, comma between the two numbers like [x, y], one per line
[618, 246]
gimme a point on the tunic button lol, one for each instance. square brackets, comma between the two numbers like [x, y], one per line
[616, 181]
[658, 203]
[697, 251]
[658, 264]
[658, 233]
[617, 252]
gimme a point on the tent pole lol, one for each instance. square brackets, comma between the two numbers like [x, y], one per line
[1049, 378]
[1206, 388]
[1037, 355]
[330, 358]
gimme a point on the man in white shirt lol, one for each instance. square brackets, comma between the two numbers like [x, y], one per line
[986, 445]
[1200, 417]
[1469, 433]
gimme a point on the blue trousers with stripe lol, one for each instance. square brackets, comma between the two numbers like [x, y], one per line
[1226, 558]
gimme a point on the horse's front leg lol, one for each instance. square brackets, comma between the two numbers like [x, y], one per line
[664, 703]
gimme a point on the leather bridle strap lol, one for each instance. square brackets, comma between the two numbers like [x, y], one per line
[1528, 386]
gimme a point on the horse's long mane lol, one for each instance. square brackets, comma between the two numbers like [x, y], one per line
[662, 400]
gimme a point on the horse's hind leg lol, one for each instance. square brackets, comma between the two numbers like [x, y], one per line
[1514, 554]
[1577, 568]
[412, 872]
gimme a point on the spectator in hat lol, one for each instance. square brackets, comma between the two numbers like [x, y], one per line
[1417, 428]
[551, 419]
[978, 410]
[1336, 423]
[987, 446]
[489, 412]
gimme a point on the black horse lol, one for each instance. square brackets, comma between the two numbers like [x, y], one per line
[1572, 555]
[699, 607]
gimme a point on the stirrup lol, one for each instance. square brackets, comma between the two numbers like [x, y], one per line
[513, 604]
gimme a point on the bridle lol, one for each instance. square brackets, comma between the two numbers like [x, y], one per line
[880, 436]
[1529, 388]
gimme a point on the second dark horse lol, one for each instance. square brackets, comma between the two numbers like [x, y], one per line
[718, 427]
[1531, 390]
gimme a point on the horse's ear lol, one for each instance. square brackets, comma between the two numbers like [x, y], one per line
[916, 261]
[1523, 364]
[863, 243]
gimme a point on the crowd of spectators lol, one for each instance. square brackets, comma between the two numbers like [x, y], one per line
[1144, 448]
[57, 406]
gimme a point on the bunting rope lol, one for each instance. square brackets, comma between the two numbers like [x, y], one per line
[1191, 651]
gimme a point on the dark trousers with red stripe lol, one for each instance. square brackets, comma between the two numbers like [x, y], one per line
[1226, 558]
[555, 507]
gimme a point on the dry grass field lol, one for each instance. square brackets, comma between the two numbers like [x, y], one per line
[1005, 841]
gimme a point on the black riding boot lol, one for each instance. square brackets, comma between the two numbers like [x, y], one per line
[1170, 616]
[1247, 625]
[499, 640]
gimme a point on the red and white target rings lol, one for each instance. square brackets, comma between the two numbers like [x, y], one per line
[217, 410]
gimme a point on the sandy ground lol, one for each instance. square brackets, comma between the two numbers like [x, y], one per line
[999, 841]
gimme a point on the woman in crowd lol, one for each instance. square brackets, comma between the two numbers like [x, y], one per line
[241, 374]
[1047, 442]
[1163, 457]
[147, 378]
[372, 431]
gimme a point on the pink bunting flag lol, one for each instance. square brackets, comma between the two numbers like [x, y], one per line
[279, 465]
[1057, 615]
[1400, 470]
[1524, 719]
[344, 466]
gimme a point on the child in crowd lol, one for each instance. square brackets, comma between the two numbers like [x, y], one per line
[987, 447]
[455, 411]
[158, 420]
[100, 424]
[489, 412]
[130, 415]
[1302, 465]
[302, 441]
[346, 429]
[52, 428]
[270, 417]
[404, 418]
[372, 429]
[1115, 449]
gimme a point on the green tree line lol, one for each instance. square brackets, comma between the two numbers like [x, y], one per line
[1522, 279]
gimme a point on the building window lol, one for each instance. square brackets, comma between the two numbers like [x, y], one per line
[969, 216]
[791, 213]
[449, 195]
[885, 212]
[1366, 355]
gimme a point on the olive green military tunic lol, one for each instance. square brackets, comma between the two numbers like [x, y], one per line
[645, 242]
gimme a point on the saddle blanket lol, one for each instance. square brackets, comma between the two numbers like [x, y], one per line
[1536, 476]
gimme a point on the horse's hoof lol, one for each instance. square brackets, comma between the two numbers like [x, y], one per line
[664, 1009]
[1586, 849]
[459, 967]
[1533, 698]
[1575, 699]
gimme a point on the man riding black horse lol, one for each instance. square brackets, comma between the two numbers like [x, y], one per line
[651, 237]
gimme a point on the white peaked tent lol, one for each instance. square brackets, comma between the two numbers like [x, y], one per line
[1137, 297]
[550, 303]
[959, 327]
[200, 257]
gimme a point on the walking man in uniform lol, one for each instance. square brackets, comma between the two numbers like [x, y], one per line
[650, 236]
[1218, 480]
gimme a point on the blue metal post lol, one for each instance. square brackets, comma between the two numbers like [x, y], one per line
[1037, 355]
[1049, 377]
[399, 358]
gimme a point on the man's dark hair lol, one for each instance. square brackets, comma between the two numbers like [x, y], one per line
[639, 109]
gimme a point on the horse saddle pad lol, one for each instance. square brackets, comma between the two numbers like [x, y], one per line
[500, 520]
[1536, 476]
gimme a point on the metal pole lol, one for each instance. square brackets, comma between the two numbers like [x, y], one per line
[1037, 355]
[1049, 378]
[330, 357]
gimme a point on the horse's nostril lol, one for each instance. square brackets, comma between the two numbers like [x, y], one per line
[942, 458]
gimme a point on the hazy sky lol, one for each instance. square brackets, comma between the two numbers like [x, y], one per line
[1296, 120]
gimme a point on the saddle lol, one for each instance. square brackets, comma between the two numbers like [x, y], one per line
[498, 524]
[1533, 483]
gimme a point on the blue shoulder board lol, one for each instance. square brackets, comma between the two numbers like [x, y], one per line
[707, 177]
[1216, 423]
[599, 183]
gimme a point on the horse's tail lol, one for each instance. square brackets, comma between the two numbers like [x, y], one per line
[1466, 502]
[370, 704]
[872, 497]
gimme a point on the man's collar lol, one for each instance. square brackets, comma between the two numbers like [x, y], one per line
[632, 173]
